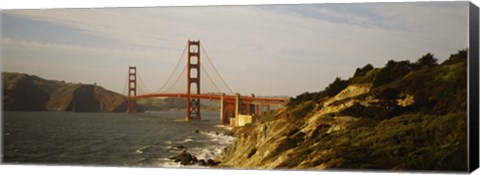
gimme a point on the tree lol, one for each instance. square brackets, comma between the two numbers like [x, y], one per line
[335, 87]
[392, 71]
[363, 71]
[426, 60]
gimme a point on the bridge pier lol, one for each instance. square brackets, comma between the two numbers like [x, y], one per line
[234, 110]
[238, 104]
[258, 109]
[131, 106]
[222, 109]
[227, 110]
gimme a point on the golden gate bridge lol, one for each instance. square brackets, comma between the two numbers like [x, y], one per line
[232, 105]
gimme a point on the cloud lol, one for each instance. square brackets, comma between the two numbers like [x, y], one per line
[75, 63]
[257, 48]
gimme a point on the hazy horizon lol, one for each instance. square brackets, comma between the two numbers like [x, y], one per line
[266, 49]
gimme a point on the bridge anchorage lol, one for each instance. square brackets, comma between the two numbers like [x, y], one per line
[235, 109]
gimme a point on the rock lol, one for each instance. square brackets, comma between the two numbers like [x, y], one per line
[196, 131]
[194, 160]
[185, 158]
[202, 162]
[211, 162]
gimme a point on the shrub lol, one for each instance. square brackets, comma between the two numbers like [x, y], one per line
[362, 71]
[392, 71]
[426, 60]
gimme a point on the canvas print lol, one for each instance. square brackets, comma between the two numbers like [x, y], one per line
[358, 86]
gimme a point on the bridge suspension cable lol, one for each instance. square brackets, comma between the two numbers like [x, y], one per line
[143, 88]
[216, 71]
[210, 78]
[177, 80]
[174, 85]
[173, 72]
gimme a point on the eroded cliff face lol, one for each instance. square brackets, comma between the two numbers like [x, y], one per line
[327, 139]
[405, 116]
[276, 140]
[22, 92]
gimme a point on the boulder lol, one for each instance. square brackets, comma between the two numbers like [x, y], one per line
[185, 158]
[211, 162]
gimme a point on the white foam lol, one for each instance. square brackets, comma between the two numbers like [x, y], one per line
[167, 163]
[140, 150]
[186, 140]
[211, 152]
[220, 140]
[224, 127]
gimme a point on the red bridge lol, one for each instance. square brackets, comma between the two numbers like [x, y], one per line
[231, 105]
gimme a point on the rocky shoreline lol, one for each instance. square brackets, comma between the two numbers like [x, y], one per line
[404, 116]
[186, 158]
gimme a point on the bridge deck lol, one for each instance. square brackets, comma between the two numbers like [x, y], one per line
[245, 99]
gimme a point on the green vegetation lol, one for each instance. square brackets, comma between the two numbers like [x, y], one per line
[409, 142]
[161, 104]
[165, 104]
[413, 117]
[331, 90]
[437, 89]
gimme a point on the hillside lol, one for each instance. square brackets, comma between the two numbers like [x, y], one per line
[404, 116]
[166, 104]
[22, 92]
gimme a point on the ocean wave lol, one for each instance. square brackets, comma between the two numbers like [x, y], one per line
[187, 140]
[213, 143]
[141, 149]
[222, 138]
[167, 163]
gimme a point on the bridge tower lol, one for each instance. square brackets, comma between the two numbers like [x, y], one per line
[193, 78]
[132, 87]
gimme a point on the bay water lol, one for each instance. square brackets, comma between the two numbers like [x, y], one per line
[109, 139]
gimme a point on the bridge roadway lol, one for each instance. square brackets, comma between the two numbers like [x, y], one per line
[231, 106]
[226, 98]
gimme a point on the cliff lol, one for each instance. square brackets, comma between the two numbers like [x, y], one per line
[404, 116]
[22, 92]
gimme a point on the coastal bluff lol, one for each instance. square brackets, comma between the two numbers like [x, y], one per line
[402, 117]
[23, 92]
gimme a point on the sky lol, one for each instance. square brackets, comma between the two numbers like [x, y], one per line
[263, 49]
